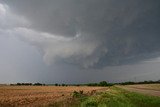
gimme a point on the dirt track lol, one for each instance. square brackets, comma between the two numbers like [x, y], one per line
[148, 89]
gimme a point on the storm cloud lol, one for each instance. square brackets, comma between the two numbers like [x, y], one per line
[85, 33]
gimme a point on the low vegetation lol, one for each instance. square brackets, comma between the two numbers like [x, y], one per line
[116, 97]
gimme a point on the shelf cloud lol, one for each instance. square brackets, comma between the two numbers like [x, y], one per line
[85, 33]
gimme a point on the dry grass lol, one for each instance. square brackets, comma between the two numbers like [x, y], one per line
[38, 95]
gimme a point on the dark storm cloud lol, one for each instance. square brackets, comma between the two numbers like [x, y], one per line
[106, 32]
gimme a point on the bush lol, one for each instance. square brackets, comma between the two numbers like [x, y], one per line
[91, 102]
[81, 91]
[78, 94]
[75, 94]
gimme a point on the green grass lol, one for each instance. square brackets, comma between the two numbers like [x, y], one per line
[114, 97]
[117, 97]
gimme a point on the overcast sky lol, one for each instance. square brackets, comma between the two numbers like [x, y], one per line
[78, 41]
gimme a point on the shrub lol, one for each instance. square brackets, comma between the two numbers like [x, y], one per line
[75, 94]
[81, 91]
[78, 94]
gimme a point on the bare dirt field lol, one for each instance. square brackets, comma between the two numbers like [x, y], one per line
[38, 95]
[149, 89]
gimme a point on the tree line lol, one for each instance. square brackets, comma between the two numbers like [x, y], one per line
[102, 84]
[28, 84]
[142, 82]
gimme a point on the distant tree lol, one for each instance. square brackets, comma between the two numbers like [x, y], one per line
[38, 84]
[63, 85]
[78, 85]
[18, 83]
[24, 84]
[103, 83]
[92, 84]
[128, 83]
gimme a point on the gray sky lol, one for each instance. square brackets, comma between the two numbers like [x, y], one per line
[78, 41]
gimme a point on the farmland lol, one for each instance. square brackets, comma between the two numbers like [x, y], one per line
[38, 95]
[80, 96]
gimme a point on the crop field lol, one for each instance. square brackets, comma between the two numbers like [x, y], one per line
[80, 96]
[39, 95]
